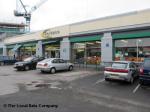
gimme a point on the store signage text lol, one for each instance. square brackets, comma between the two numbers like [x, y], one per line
[49, 33]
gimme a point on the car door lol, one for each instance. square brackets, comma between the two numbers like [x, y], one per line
[56, 64]
[63, 64]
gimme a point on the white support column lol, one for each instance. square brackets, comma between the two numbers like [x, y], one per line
[39, 49]
[4, 48]
[4, 51]
[65, 49]
[107, 47]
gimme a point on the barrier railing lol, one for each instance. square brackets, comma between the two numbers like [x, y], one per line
[82, 64]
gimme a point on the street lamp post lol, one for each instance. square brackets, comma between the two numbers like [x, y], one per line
[137, 50]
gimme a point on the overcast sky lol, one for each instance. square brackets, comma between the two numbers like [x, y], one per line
[60, 12]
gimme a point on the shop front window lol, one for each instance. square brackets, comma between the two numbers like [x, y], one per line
[26, 52]
[87, 53]
[132, 49]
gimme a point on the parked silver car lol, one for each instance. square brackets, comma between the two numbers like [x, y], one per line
[54, 64]
[121, 70]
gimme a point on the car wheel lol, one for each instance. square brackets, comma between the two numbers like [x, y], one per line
[70, 68]
[53, 70]
[42, 71]
[18, 69]
[106, 79]
[26, 68]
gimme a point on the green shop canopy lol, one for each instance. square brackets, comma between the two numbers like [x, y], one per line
[50, 42]
[86, 38]
[29, 44]
[131, 34]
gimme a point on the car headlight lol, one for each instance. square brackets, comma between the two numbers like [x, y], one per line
[20, 64]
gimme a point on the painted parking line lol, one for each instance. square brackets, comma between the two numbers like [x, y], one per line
[55, 87]
[136, 88]
[99, 81]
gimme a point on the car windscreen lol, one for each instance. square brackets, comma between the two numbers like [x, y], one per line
[147, 63]
[46, 60]
[119, 65]
[28, 59]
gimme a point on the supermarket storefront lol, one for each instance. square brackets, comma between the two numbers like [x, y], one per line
[86, 49]
[132, 46]
[118, 37]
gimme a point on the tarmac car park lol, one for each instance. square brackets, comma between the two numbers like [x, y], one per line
[83, 88]
[84, 84]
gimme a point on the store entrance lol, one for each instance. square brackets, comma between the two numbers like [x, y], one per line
[86, 53]
[52, 54]
[52, 51]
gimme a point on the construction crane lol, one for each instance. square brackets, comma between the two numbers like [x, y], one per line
[26, 13]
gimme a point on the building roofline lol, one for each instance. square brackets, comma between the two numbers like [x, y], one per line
[114, 29]
[111, 16]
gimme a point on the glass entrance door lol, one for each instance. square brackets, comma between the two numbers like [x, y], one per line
[52, 54]
[87, 52]
[52, 51]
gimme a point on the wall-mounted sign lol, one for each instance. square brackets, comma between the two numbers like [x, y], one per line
[49, 33]
[107, 44]
[64, 50]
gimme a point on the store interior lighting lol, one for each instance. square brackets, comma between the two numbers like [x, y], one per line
[124, 41]
[98, 42]
[90, 43]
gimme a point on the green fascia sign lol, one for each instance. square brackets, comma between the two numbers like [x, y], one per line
[86, 38]
[131, 35]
